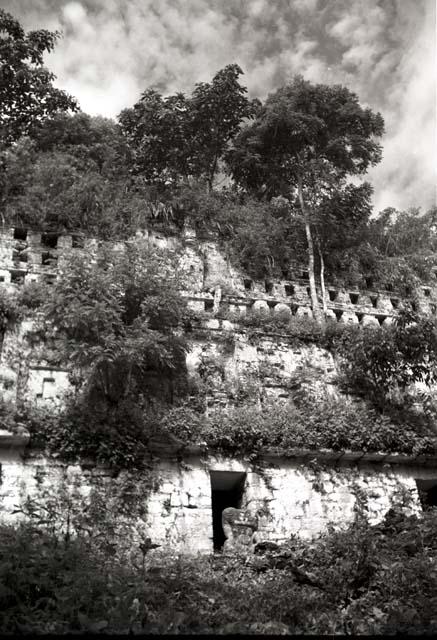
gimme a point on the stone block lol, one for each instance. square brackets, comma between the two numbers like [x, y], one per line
[304, 312]
[282, 310]
[369, 321]
[348, 317]
[261, 306]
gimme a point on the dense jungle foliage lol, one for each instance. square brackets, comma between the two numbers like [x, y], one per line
[364, 580]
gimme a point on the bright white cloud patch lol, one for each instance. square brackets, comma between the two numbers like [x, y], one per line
[384, 50]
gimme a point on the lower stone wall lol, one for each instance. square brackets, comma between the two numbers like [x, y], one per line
[173, 503]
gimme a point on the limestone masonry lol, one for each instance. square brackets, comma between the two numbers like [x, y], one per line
[269, 500]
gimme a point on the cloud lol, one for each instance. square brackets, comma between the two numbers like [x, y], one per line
[384, 50]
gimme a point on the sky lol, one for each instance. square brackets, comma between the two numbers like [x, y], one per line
[384, 50]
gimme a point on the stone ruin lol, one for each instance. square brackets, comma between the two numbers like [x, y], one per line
[202, 501]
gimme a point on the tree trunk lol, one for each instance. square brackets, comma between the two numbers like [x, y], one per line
[313, 292]
[322, 279]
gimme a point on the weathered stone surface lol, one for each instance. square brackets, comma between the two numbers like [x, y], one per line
[281, 499]
[238, 527]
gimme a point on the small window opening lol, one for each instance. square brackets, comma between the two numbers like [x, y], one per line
[413, 306]
[269, 286]
[49, 278]
[289, 290]
[360, 316]
[309, 291]
[77, 242]
[272, 303]
[209, 305]
[338, 314]
[427, 493]
[394, 302]
[20, 234]
[19, 256]
[374, 300]
[248, 284]
[47, 258]
[381, 319]
[49, 240]
[389, 287]
[2, 278]
[227, 489]
[369, 282]
[354, 297]
[17, 277]
[305, 275]
[332, 295]
[427, 293]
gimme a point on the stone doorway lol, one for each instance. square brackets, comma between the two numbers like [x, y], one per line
[427, 492]
[227, 488]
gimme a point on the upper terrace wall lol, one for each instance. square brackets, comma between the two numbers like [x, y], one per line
[213, 285]
[27, 256]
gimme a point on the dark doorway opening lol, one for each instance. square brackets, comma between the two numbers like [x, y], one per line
[427, 493]
[226, 491]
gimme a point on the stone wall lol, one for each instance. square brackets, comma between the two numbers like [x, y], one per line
[283, 496]
[28, 256]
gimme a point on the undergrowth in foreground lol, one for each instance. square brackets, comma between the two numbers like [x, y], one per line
[365, 580]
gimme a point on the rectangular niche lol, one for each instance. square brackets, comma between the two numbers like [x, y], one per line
[48, 258]
[209, 305]
[77, 242]
[17, 276]
[20, 234]
[227, 488]
[269, 286]
[49, 240]
[247, 284]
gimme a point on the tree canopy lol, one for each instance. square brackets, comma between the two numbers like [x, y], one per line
[306, 139]
[27, 94]
[178, 137]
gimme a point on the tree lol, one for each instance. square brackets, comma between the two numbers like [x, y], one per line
[72, 175]
[114, 317]
[339, 222]
[178, 137]
[303, 144]
[27, 95]
[380, 363]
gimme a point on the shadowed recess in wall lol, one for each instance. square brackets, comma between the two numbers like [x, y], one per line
[226, 491]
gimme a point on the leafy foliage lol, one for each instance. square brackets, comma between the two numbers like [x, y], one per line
[10, 311]
[27, 94]
[331, 423]
[363, 580]
[176, 137]
[117, 313]
[376, 362]
[304, 142]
